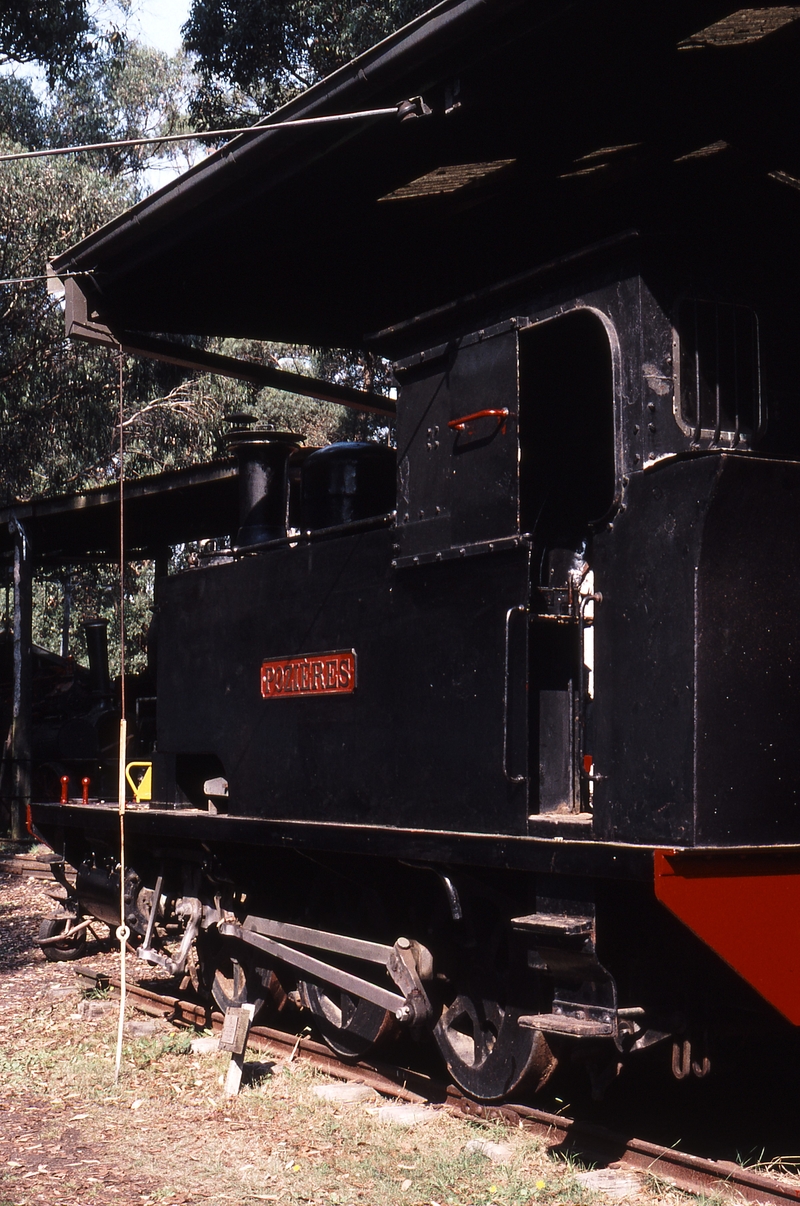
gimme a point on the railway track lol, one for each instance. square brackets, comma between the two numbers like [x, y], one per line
[36, 866]
[565, 1136]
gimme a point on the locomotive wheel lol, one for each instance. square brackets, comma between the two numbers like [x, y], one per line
[349, 1025]
[230, 988]
[487, 1054]
[230, 978]
[70, 948]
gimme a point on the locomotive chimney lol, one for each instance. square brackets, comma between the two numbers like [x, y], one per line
[97, 647]
[263, 457]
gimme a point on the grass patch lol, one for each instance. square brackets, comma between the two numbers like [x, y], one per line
[144, 1051]
[100, 992]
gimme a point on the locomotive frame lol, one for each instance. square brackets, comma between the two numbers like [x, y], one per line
[547, 688]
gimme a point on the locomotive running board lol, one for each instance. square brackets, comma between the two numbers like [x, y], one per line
[406, 962]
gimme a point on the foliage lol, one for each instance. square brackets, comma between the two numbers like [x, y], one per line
[252, 55]
[59, 402]
[22, 116]
[55, 33]
[98, 992]
[189, 424]
[94, 591]
[55, 401]
[146, 1051]
[127, 91]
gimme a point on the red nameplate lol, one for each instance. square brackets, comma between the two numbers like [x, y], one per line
[312, 674]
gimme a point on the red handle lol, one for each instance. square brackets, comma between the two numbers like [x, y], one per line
[85, 785]
[459, 424]
[65, 789]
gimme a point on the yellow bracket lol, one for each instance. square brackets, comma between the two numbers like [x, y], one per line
[143, 790]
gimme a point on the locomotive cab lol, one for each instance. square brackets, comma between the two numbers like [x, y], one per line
[507, 439]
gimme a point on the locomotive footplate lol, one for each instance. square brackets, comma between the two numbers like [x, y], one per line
[540, 993]
[559, 854]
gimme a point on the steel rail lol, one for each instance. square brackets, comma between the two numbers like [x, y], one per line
[597, 1144]
[564, 1136]
[385, 1079]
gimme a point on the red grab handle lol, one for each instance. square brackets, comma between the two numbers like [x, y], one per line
[459, 424]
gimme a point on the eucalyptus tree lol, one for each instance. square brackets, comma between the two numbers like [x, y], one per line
[56, 34]
[251, 55]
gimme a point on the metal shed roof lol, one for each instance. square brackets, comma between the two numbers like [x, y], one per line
[555, 124]
[160, 511]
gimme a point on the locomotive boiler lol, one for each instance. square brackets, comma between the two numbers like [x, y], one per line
[488, 734]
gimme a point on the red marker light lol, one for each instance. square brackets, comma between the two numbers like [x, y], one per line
[85, 785]
[588, 763]
[65, 789]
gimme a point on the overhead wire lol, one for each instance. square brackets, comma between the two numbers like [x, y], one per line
[414, 107]
[44, 276]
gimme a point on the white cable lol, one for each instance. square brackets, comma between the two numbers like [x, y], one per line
[123, 933]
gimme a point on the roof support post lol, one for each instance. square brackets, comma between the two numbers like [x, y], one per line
[23, 683]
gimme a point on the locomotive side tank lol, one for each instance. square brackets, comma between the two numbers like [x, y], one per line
[489, 735]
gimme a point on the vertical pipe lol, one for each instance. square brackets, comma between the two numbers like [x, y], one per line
[66, 614]
[161, 571]
[23, 682]
[96, 631]
[123, 932]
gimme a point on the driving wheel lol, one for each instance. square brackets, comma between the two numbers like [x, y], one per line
[487, 1053]
[349, 1025]
[229, 975]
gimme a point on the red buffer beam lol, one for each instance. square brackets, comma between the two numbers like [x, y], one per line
[745, 905]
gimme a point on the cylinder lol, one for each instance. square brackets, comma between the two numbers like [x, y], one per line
[263, 458]
[97, 648]
[97, 889]
[347, 482]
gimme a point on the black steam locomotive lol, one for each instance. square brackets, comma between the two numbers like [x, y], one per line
[494, 736]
